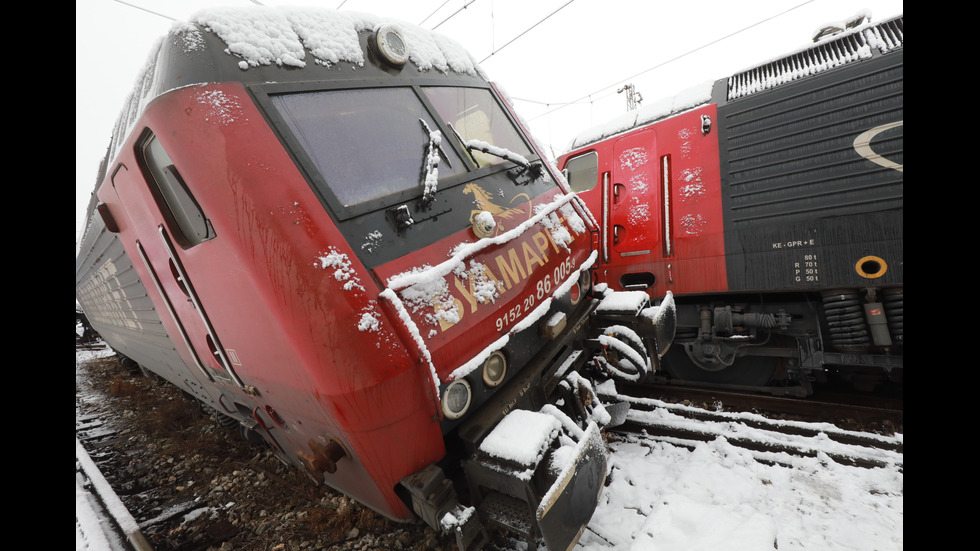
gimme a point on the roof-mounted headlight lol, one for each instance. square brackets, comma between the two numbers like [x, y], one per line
[456, 399]
[391, 45]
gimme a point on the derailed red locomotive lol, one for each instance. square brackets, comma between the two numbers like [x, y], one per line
[771, 204]
[332, 229]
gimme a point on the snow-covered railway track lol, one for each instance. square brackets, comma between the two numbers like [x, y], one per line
[770, 440]
[102, 521]
[111, 476]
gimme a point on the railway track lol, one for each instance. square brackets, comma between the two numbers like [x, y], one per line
[881, 411]
[143, 514]
[656, 416]
[102, 521]
[192, 484]
[776, 431]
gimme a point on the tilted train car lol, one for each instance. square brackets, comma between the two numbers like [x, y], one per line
[333, 229]
[770, 204]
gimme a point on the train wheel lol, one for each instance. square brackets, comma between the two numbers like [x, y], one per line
[744, 371]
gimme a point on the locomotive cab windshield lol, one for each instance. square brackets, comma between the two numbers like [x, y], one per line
[369, 148]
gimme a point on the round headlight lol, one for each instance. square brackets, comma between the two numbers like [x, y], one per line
[494, 369]
[391, 45]
[456, 399]
[581, 288]
[575, 293]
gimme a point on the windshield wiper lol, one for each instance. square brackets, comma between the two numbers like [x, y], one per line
[500, 152]
[430, 168]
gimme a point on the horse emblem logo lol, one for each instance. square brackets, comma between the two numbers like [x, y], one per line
[483, 201]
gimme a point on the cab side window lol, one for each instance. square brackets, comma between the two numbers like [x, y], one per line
[582, 171]
[182, 214]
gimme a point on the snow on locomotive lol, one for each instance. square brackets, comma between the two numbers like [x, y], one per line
[770, 204]
[333, 229]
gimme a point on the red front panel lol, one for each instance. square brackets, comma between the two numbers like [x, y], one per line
[676, 244]
[464, 294]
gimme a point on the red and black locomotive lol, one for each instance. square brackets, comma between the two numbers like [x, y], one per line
[770, 205]
[333, 229]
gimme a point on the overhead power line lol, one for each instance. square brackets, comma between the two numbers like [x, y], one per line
[527, 30]
[433, 12]
[256, 2]
[466, 5]
[673, 59]
[146, 10]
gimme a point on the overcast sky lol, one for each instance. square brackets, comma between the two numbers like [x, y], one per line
[562, 61]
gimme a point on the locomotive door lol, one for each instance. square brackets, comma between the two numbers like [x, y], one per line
[631, 208]
[166, 222]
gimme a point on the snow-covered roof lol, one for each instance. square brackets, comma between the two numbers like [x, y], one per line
[684, 101]
[832, 51]
[260, 39]
[284, 36]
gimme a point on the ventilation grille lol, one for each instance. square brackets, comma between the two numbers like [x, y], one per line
[858, 45]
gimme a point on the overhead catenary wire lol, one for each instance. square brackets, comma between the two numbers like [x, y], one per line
[589, 96]
[431, 14]
[466, 5]
[529, 29]
[144, 9]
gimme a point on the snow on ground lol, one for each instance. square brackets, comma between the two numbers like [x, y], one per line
[718, 497]
[91, 534]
